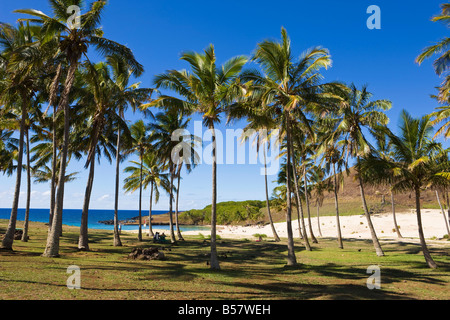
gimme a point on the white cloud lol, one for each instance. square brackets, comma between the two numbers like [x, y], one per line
[104, 197]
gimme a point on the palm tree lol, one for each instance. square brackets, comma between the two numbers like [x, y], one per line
[168, 151]
[440, 164]
[141, 146]
[264, 125]
[74, 43]
[320, 185]
[411, 164]
[208, 90]
[152, 175]
[293, 90]
[189, 161]
[20, 64]
[124, 95]
[441, 64]
[358, 112]
[384, 150]
[332, 152]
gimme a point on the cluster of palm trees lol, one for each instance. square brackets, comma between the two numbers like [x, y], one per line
[325, 128]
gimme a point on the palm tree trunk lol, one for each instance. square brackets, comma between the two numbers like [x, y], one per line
[140, 200]
[172, 173]
[117, 241]
[318, 219]
[297, 194]
[52, 101]
[275, 235]
[214, 261]
[336, 204]
[397, 230]
[8, 239]
[443, 212]
[373, 234]
[448, 208]
[314, 240]
[291, 259]
[27, 209]
[83, 241]
[180, 237]
[423, 244]
[52, 247]
[54, 164]
[150, 229]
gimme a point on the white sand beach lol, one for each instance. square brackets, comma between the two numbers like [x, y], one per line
[352, 227]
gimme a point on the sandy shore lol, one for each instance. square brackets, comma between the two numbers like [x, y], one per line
[352, 227]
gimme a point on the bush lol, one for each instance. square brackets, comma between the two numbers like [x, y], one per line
[227, 212]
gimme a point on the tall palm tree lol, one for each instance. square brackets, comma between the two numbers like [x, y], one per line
[141, 145]
[384, 150]
[124, 95]
[152, 175]
[207, 89]
[320, 185]
[74, 43]
[294, 90]
[20, 64]
[441, 64]
[161, 135]
[411, 164]
[264, 124]
[358, 111]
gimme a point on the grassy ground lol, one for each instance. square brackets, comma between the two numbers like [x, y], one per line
[250, 270]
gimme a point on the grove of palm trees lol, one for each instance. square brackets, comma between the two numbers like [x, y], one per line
[66, 95]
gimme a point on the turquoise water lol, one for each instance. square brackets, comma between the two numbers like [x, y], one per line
[72, 217]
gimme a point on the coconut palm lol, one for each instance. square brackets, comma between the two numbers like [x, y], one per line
[293, 89]
[384, 150]
[264, 126]
[358, 111]
[320, 185]
[152, 175]
[441, 64]
[168, 151]
[124, 95]
[411, 164]
[207, 89]
[74, 42]
[20, 64]
[141, 145]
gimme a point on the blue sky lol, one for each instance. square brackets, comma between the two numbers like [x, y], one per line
[158, 31]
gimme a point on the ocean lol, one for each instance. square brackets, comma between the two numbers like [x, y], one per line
[72, 217]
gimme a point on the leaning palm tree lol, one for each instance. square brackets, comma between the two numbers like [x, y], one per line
[74, 42]
[411, 164]
[441, 64]
[358, 111]
[207, 89]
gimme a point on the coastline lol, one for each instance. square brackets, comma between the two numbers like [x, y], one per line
[352, 227]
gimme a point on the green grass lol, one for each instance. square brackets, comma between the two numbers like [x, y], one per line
[249, 270]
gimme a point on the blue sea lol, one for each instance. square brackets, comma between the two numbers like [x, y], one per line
[72, 217]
